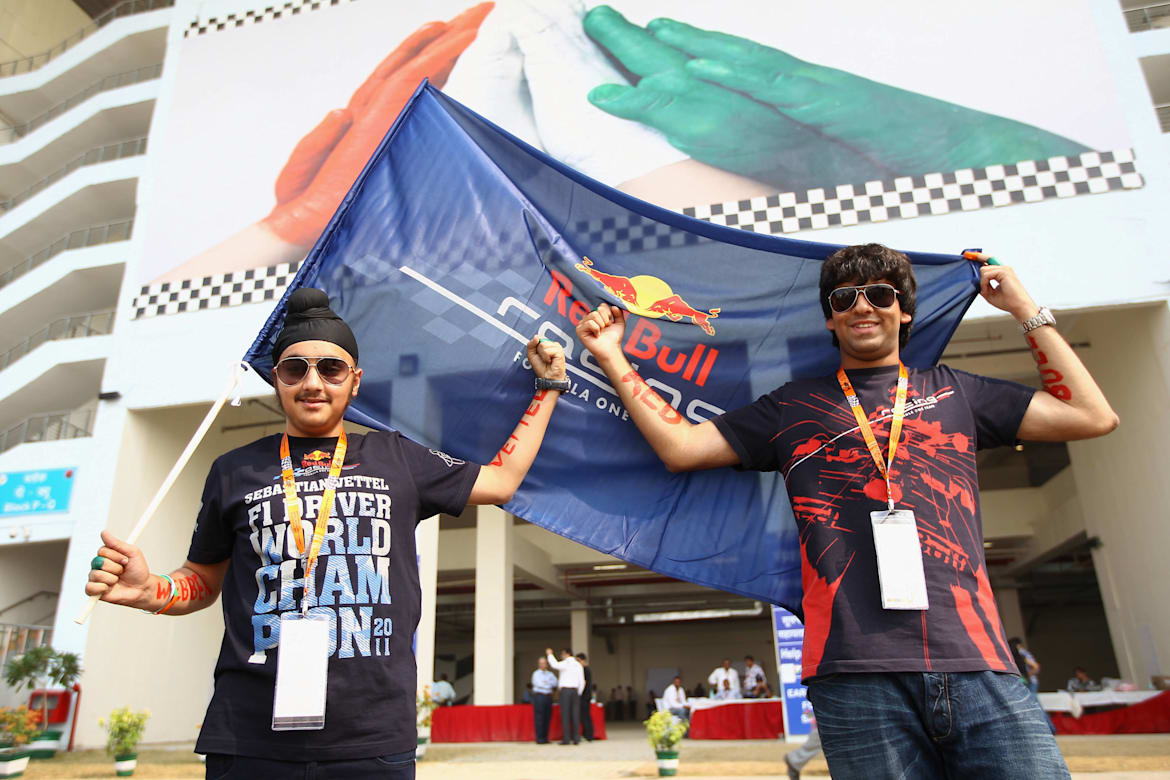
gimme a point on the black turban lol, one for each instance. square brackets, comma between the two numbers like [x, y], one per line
[309, 318]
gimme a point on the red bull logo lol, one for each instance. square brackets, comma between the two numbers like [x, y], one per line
[316, 458]
[649, 296]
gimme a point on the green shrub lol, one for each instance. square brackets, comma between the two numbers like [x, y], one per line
[125, 729]
[664, 730]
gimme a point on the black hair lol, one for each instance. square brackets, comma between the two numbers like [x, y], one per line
[869, 263]
[581, 657]
[749, 658]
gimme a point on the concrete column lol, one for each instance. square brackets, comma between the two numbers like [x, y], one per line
[426, 541]
[1121, 480]
[1008, 600]
[494, 632]
[580, 626]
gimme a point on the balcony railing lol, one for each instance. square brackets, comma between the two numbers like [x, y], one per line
[17, 639]
[1150, 17]
[82, 326]
[49, 427]
[10, 134]
[127, 8]
[78, 239]
[100, 154]
[1164, 117]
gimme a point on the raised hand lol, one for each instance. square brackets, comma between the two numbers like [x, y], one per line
[124, 575]
[547, 358]
[601, 331]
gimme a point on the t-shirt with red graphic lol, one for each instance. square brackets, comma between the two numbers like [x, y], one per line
[807, 432]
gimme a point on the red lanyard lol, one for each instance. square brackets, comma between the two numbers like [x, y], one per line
[292, 507]
[867, 432]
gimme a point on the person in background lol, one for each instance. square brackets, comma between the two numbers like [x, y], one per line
[795, 760]
[651, 703]
[1027, 664]
[526, 697]
[754, 680]
[699, 692]
[617, 701]
[674, 699]
[442, 692]
[724, 681]
[543, 683]
[569, 689]
[1081, 682]
[631, 703]
[586, 699]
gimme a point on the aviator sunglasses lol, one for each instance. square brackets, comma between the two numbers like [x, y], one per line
[293, 370]
[880, 296]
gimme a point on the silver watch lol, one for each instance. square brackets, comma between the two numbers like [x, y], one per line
[553, 384]
[1038, 320]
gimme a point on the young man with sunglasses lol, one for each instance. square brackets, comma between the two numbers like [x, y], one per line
[904, 653]
[344, 509]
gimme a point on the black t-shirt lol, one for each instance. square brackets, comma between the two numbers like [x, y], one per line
[807, 432]
[366, 579]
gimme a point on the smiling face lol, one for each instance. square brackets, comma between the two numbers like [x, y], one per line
[314, 407]
[868, 335]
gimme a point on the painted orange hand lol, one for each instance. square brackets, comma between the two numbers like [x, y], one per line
[325, 163]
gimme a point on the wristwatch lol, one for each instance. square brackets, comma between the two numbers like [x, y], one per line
[1038, 320]
[553, 384]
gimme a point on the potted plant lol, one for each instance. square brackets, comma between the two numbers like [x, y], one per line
[17, 727]
[665, 731]
[42, 667]
[125, 731]
[424, 706]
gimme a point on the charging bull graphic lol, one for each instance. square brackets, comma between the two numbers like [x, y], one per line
[649, 296]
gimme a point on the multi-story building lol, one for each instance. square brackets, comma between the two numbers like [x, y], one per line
[104, 376]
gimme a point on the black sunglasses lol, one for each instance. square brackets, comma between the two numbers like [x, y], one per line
[880, 296]
[293, 370]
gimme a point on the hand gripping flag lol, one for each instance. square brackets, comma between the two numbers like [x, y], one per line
[458, 242]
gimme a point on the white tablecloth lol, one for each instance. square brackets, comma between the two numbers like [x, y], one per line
[705, 703]
[1075, 703]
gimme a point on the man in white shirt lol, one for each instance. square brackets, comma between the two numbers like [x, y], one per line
[674, 698]
[571, 684]
[442, 692]
[724, 681]
[544, 682]
[754, 681]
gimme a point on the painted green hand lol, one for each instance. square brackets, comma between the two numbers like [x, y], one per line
[894, 131]
[718, 126]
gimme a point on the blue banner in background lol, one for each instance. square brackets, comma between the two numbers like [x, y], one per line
[458, 242]
[35, 492]
[788, 632]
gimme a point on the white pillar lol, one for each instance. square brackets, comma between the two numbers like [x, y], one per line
[580, 626]
[426, 541]
[1123, 489]
[494, 633]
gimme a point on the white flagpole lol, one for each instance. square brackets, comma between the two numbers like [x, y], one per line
[238, 370]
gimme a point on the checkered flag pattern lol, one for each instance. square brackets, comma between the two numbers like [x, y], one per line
[934, 193]
[275, 11]
[632, 233]
[214, 292]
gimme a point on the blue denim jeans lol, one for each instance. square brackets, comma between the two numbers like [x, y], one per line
[909, 725]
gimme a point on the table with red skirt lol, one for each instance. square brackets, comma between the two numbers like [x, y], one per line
[500, 723]
[1129, 712]
[736, 719]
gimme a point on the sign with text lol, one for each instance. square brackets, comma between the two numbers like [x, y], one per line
[789, 634]
[35, 492]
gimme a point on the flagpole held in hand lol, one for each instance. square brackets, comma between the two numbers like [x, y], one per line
[232, 392]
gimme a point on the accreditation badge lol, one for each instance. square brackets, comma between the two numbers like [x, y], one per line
[302, 666]
[899, 559]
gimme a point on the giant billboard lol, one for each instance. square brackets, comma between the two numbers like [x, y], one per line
[774, 117]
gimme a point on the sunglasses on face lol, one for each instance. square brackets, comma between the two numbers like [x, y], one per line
[880, 296]
[293, 370]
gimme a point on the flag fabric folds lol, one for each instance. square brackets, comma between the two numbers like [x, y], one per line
[458, 242]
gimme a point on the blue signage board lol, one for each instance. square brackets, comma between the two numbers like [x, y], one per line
[36, 492]
[789, 634]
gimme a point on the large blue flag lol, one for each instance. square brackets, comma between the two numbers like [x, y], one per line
[458, 242]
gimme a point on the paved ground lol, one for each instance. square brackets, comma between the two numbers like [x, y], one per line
[627, 755]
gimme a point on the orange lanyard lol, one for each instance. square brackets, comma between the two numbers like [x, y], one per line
[867, 432]
[292, 506]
